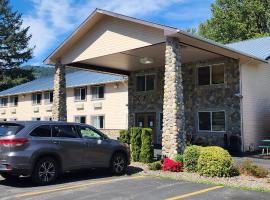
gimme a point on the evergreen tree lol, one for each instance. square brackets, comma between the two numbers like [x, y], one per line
[236, 20]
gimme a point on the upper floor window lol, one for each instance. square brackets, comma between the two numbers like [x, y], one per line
[36, 98]
[14, 100]
[211, 121]
[145, 82]
[48, 97]
[80, 94]
[97, 92]
[3, 102]
[97, 121]
[211, 75]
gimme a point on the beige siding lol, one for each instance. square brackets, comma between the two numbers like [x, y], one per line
[113, 107]
[112, 35]
[255, 103]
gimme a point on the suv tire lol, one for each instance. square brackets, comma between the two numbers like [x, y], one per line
[118, 164]
[45, 171]
[9, 177]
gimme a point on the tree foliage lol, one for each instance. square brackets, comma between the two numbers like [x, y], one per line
[236, 20]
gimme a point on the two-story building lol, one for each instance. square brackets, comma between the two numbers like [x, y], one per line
[93, 98]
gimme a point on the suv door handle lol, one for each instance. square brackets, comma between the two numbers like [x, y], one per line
[56, 142]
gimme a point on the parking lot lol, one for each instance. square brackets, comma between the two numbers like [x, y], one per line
[99, 185]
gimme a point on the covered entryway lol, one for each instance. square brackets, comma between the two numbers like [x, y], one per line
[113, 43]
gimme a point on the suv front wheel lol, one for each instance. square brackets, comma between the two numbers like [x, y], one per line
[45, 171]
[118, 164]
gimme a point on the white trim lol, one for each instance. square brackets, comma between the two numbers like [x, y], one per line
[211, 121]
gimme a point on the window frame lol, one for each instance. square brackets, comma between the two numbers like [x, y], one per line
[80, 119]
[3, 106]
[145, 82]
[211, 75]
[35, 103]
[161, 123]
[12, 104]
[48, 101]
[211, 121]
[80, 88]
[97, 86]
[91, 121]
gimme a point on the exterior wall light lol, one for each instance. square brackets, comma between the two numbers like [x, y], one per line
[146, 60]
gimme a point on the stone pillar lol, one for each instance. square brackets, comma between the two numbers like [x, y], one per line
[173, 137]
[59, 111]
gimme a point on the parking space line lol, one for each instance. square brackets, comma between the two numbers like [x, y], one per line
[75, 186]
[195, 193]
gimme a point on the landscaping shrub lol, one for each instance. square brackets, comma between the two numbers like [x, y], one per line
[191, 156]
[124, 136]
[215, 161]
[155, 165]
[135, 139]
[147, 151]
[171, 165]
[178, 158]
[250, 169]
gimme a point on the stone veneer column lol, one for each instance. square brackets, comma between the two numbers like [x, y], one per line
[59, 111]
[173, 137]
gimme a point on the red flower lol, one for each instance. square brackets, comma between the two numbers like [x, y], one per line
[171, 165]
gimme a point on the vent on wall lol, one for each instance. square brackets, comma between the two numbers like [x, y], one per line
[98, 105]
[36, 109]
[80, 106]
[13, 111]
[49, 108]
[3, 112]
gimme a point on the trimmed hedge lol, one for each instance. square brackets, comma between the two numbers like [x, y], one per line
[215, 161]
[135, 140]
[191, 156]
[147, 151]
[124, 136]
[178, 158]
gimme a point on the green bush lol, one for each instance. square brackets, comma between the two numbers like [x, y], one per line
[178, 158]
[215, 161]
[135, 139]
[191, 156]
[124, 136]
[147, 151]
[155, 165]
[250, 169]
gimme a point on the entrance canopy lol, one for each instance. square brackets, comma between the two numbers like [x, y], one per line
[114, 43]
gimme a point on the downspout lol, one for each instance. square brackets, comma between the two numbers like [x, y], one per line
[241, 107]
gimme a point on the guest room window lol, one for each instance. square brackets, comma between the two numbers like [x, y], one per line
[97, 92]
[80, 94]
[145, 82]
[211, 75]
[36, 98]
[211, 121]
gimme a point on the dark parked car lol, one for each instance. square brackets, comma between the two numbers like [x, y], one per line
[43, 150]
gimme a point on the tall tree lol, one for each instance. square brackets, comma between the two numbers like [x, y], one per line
[235, 20]
[14, 47]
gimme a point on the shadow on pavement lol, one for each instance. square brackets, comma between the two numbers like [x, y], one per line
[82, 175]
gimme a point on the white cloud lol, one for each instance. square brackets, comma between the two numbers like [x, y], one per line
[52, 19]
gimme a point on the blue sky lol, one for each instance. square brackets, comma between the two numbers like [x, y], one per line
[51, 21]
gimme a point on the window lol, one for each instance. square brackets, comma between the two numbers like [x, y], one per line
[161, 121]
[211, 75]
[48, 97]
[97, 121]
[3, 102]
[9, 129]
[36, 118]
[36, 98]
[97, 92]
[80, 94]
[41, 131]
[88, 132]
[211, 121]
[145, 82]
[66, 131]
[14, 100]
[80, 119]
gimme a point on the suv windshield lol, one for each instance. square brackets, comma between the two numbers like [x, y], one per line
[9, 129]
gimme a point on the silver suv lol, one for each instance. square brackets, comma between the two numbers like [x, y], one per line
[43, 150]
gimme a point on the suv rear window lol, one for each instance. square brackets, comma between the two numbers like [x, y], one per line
[9, 129]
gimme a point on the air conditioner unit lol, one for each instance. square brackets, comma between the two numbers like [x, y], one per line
[49, 108]
[36, 109]
[3, 112]
[80, 106]
[13, 111]
[98, 105]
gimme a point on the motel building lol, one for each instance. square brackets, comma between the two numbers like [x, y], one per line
[93, 98]
[186, 88]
